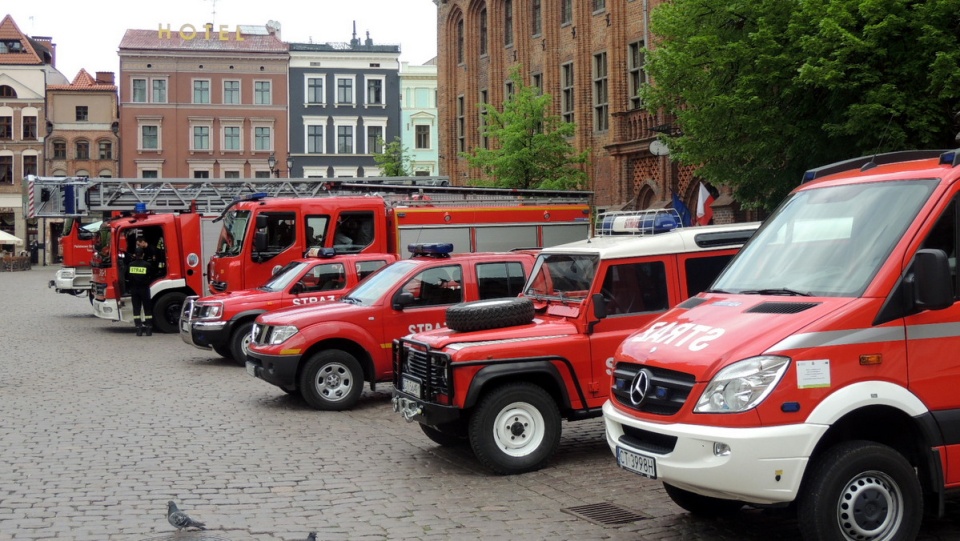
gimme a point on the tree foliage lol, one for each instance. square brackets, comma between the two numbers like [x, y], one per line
[529, 148]
[395, 160]
[765, 89]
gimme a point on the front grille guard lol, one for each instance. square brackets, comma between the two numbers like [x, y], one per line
[430, 367]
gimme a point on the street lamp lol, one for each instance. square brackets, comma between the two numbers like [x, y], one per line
[115, 128]
[289, 166]
[272, 164]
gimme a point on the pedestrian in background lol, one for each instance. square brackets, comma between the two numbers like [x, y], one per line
[140, 274]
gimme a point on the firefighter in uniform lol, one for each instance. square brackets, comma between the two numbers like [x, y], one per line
[140, 273]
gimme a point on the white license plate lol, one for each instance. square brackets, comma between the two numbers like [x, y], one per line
[639, 464]
[410, 385]
[184, 326]
[251, 369]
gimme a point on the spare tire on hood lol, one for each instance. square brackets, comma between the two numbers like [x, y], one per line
[490, 314]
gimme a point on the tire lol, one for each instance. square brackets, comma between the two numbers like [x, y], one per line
[515, 429]
[166, 312]
[445, 435]
[704, 506]
[490, 314]
[240, 342]
[223, 352]
[332, 380]
[861, 490]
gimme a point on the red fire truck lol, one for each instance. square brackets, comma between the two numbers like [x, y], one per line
[503, 374]
[76, 248]
[819, 369]
[222, 321]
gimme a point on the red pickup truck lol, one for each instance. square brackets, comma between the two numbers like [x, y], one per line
[223, 321]
[326, 351]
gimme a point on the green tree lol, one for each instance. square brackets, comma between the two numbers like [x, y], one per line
[529, 148]
[765, 89]
[395, 160]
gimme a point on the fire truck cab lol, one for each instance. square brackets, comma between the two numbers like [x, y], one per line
[817, 369]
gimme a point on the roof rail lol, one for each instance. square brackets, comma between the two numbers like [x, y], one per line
[868, 162]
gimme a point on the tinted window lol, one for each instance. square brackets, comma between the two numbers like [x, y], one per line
[496, 280]
[635, 287]
[436, 286]
[702, 271]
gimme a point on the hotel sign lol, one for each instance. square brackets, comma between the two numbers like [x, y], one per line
[188, 32]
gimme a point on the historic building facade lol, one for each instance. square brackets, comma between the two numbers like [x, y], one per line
[589, 56]
[344, 106]
[203, 102]
[82, 127]
[419, 120]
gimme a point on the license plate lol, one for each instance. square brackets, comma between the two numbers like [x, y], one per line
[411, 386]
[184, 326]
[639, 464]
[251, 369]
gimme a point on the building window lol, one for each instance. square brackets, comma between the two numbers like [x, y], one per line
[484, 100]
[375, 91]
[261, 139]
[344, 91]
[159, 91]
[374, 139]
[149, 137]
[483, 32]
[29, 165]
[601, 106]
[149, 173]
[261, 93]
[460, 41]
[314, 90]
[461, 125]
[231, 174]
[566, 88]
[599, 5]
[261, 174]
[60, 150]
[536, 81]
[422, 141]
[231, 138]
[231, 92]
[637, 73]
[508, 22]
[201, 92]
[139, 90]
[6, 127]
[508, 89]
[83, 150]
[537, 17]
[30, 127]
[6, 169]
[105, 150]
[566, 11]
[315, 139]
[344, 139]
[7, 92]
[82, 113]
[201, 174]
[201, 138]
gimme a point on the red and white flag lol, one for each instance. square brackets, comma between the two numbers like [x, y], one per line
[704, 212]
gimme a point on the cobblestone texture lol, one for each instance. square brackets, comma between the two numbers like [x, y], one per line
[99, 428]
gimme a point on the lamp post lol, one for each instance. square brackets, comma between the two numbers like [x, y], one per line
[272, 164]
[42, 222]
[289, 166]
[115, 128]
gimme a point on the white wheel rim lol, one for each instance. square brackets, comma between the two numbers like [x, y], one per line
[871, 507]
[518, 429]
[333, 382]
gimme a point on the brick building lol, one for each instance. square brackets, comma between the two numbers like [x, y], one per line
[589, 56]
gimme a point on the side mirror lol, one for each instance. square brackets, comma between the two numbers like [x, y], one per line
[403, 299]
[932, 280]
[261, 221]
[599, 306]
[260, 241]
[297, 288]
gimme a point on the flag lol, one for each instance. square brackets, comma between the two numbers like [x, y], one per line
[704, 212]
[681, 209]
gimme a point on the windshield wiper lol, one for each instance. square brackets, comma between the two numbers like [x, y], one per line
[778, 291]
[351, 300]
[716, 291]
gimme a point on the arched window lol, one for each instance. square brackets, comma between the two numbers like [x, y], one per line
[59, 149]
[483, 31]
[83, 150]
[7, 92]
[460, 41]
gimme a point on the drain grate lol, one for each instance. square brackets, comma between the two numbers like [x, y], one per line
[605, 514]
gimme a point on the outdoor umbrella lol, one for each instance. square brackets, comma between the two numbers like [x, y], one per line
[7, 238]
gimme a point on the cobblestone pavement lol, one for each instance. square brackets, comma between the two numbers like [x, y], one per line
[99, 428]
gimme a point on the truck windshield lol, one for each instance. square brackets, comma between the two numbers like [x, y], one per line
[231, 236]
[827, 242]
[380, 283]
[562, 276]
[284, 276]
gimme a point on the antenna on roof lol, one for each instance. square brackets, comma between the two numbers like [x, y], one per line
[213, 12]
[871, 164]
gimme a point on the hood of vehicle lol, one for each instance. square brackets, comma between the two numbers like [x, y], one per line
[539, 333]
[705, 333]
[302, 316]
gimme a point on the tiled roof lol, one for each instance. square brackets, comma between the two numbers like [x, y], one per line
[27, 55]
[83, 82]
[156, 40]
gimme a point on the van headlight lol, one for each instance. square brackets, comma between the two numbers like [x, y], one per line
[280, 334]
[742, 385]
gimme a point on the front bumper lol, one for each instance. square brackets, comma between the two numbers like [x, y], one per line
[200, 333]
[413, 408]
[70, 281]
[279, 370]
[765, 465]
[113, 310]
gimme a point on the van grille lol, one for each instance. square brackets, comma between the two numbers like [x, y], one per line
[665, 394]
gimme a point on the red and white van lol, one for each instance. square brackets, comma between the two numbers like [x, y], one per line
[819, 368]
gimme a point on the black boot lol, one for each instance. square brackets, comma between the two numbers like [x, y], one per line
[149, 329]
[139, 329]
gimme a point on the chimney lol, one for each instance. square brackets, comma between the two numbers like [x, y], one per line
[105, 78]
[369, 41]
[354, 42]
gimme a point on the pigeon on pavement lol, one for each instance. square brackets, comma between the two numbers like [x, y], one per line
[179, 520]
[312, 536]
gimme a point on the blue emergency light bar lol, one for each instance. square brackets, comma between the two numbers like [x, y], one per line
[140, 208]
[320, 252]
[431, 248]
